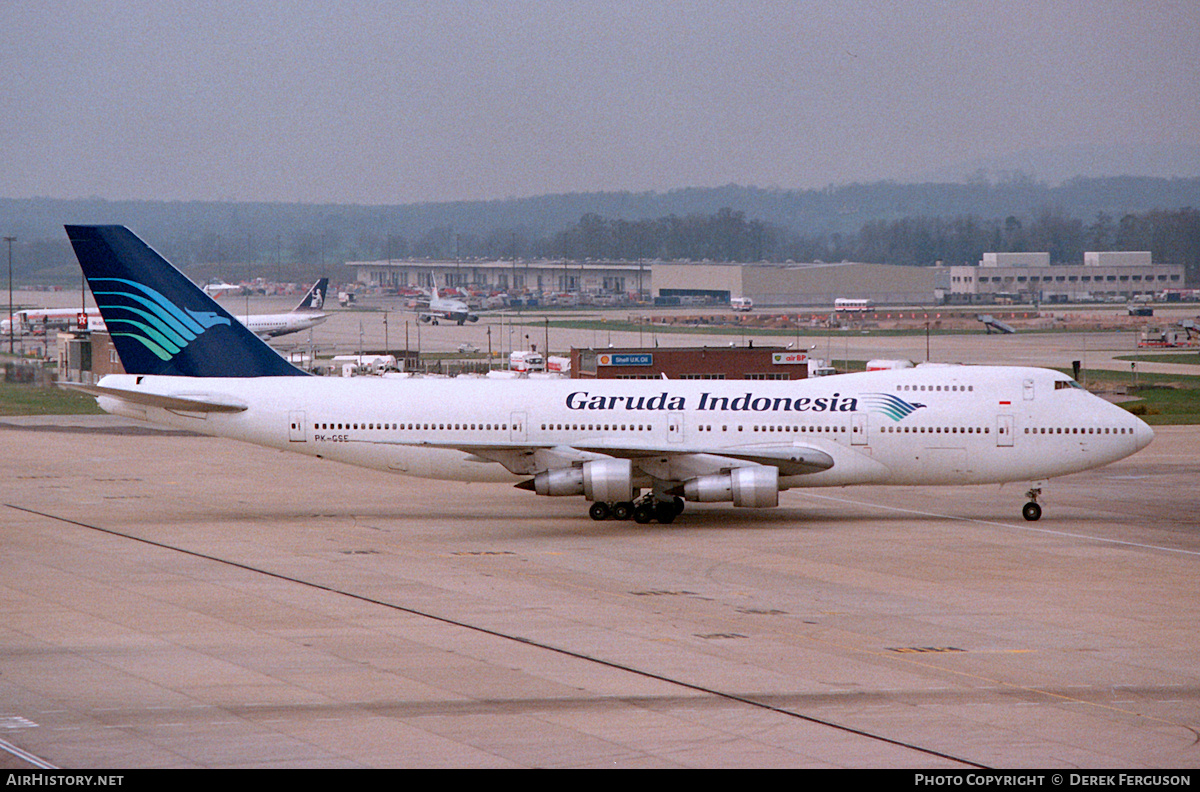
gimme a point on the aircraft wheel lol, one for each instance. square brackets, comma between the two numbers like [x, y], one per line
[664, 512]
[622, 510]
[599, 511]
[1031, 511]
[679, 503]
[643, 513]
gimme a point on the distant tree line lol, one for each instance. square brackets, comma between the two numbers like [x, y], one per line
[885, 222]
[1172, 236]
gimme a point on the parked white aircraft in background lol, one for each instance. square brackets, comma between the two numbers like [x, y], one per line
[635, 448]
[305, 315]
[29, 320]
[446, 308]
[216, 288]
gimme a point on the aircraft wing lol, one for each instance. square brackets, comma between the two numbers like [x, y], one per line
[791, 460]
[185, 402]
[668, 464]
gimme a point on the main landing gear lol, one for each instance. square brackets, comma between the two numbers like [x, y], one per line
[1032, 511]
[643, 511]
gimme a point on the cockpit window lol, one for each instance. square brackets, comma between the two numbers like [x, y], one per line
[1069, 383]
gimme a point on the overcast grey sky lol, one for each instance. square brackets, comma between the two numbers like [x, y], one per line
[397, 102]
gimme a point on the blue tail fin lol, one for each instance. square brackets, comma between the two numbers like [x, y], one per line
[160, 322]
[315, 299]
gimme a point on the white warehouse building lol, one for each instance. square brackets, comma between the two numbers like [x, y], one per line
[1019, 277]
[671, 282]
[1025, 277]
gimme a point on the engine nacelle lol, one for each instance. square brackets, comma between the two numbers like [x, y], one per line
[604, 480]
[709, 489]
[755, 487]
[608, 480]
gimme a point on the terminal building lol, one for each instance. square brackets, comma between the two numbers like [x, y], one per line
[519, 277]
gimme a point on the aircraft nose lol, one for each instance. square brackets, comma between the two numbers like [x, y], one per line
[1143, 434]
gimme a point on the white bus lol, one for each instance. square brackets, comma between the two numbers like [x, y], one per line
[851, 305]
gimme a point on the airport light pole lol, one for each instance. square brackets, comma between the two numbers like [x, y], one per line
[10, 240]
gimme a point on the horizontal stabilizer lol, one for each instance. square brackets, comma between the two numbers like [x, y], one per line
[185, 402]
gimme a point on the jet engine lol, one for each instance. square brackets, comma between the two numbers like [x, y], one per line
[604, 480]
[754, 487]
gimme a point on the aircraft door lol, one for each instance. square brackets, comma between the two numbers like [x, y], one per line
[858, 430]
[1004, 430]
[674, 428]
[517, 431]
[1027, 386]
[297, 433]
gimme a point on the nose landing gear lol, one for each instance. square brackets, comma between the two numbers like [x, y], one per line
[1031, 511]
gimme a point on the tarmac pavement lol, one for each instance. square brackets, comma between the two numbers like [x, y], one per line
[170, 600]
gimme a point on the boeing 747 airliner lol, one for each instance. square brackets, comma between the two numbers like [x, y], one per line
[637, 449]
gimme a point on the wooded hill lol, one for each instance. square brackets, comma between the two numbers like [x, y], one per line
[887, 222]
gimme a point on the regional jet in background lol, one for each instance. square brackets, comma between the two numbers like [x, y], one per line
[264, 325]
[305, 315]
[634, 448]
[446, 308]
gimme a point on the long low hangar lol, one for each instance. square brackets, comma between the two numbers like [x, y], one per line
[1027, 276]
[766, 284]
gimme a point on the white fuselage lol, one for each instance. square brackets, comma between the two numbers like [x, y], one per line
[270, 325]
[452, 310]
[262, 325]
[923, 425]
